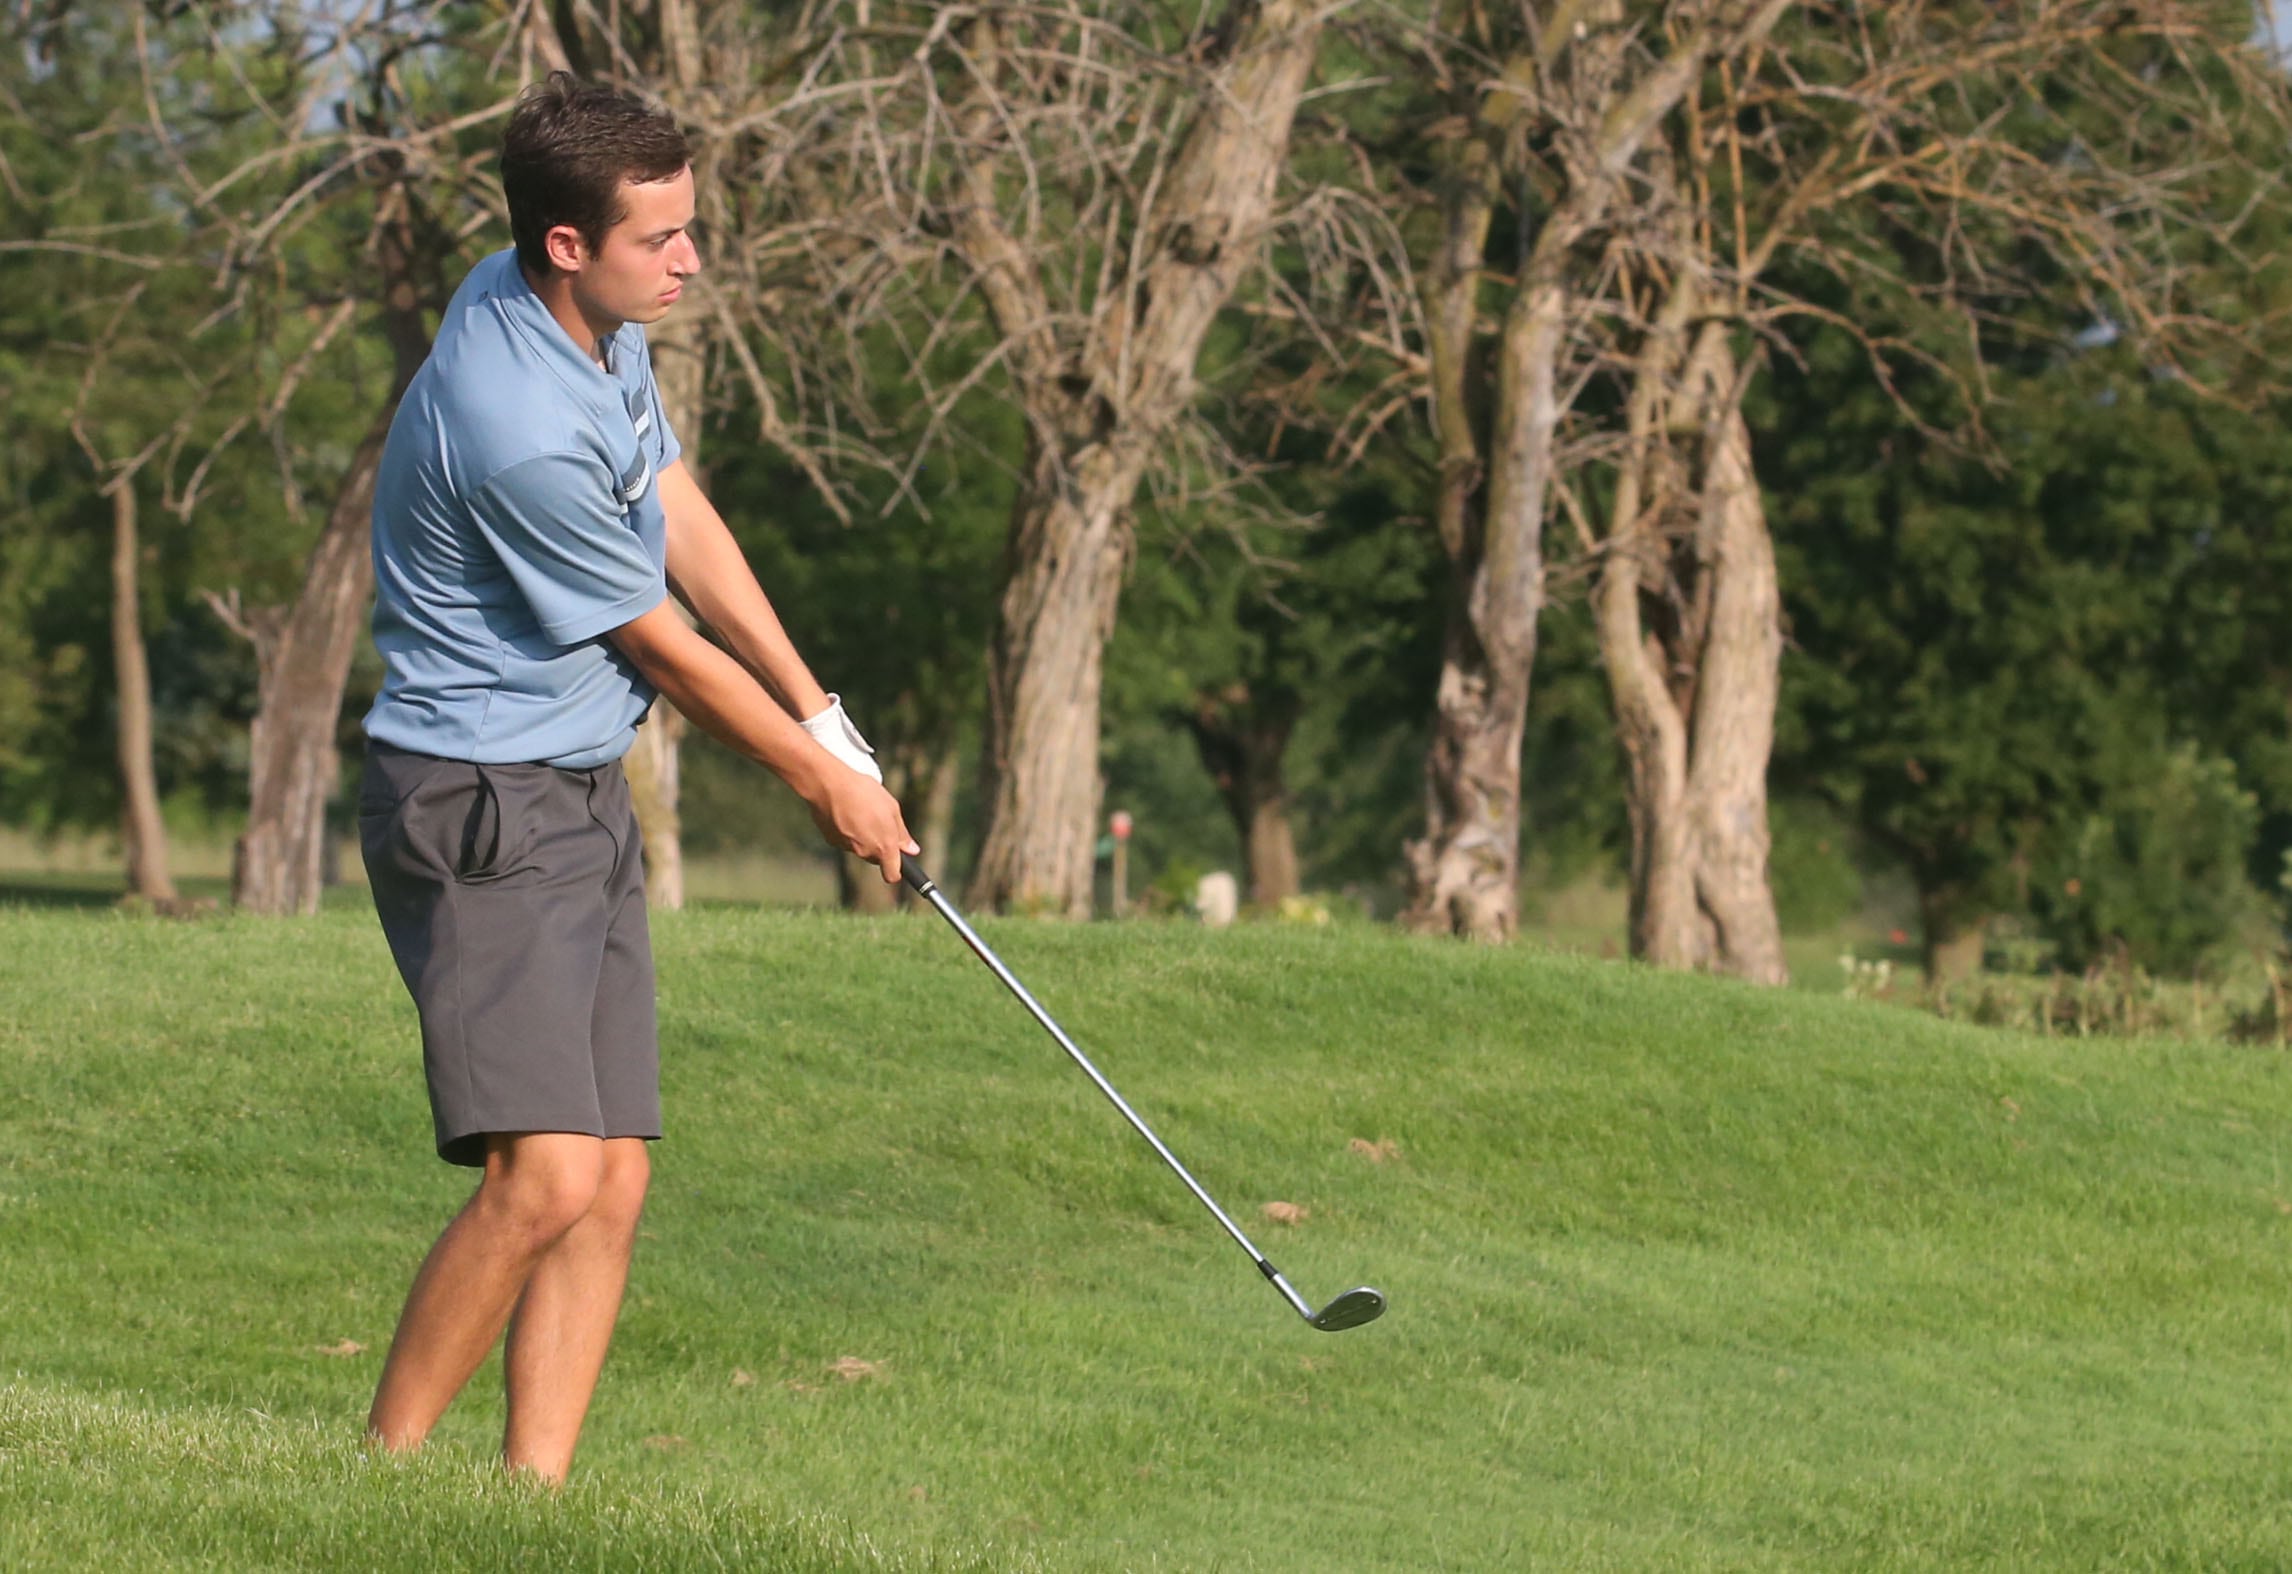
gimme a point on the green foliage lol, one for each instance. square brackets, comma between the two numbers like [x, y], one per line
[1811, 860]
[1312, 613]
[169, 339]
[1987, 658]
[2158, 873]
[2120, 999]
[2001, 659]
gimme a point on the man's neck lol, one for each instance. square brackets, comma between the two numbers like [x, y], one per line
[556, 293]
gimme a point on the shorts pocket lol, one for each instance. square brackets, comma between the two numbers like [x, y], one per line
[433, 822]
[478, 854]
[501, 824]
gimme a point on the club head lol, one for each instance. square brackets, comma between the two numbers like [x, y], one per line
[1349, 1310]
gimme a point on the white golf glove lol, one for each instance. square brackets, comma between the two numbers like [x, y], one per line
[833, 731]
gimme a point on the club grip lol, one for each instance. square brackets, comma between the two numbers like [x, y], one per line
[913, 872]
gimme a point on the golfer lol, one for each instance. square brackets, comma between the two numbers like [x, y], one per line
[531, 520]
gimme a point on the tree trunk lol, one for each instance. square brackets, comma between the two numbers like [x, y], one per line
[654, 765]
[935, 828]
[1666, 925]
[143, 835]
[1272, 850]
[924, 782]
[304, 659]
[1690, 633]
[293, 761]
[1242, 742]
[1495, 487]
[1734, 722]
[1954, 928]
[1465, 872]
[1098, 409]
[1071, 543]
[860, 886]
[937, 835]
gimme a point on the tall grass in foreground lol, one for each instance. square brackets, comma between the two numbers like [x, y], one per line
[1684, 1275]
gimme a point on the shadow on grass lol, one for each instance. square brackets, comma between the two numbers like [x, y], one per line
[34, 891]
[89, 891]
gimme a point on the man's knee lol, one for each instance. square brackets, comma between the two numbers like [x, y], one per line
[620, 1197]
[538, 1185]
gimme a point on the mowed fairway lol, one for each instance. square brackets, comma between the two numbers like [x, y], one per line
[1683, 1274]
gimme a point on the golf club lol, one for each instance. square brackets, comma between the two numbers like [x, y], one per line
[1350, 1310]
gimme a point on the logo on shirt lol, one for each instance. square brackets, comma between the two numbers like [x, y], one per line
[639, 479]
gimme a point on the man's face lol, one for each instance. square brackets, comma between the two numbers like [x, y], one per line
[640, 270]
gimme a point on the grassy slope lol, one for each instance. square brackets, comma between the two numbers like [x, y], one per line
[1683, 1274]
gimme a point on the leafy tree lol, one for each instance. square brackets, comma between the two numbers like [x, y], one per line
[1999, 660]
[1285, 652]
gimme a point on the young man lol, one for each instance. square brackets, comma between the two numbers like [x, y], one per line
[531, 518]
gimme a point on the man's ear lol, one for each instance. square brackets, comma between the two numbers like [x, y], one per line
[563, 243]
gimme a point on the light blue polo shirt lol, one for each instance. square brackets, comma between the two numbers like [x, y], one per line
[516, 521]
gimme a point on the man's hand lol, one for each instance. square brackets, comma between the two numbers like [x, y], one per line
[858, 816]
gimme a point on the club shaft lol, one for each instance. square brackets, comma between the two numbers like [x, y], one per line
[930, 892]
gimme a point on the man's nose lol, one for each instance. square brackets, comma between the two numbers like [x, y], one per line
[687, 260]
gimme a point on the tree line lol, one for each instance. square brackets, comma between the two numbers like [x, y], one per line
[1584, 416]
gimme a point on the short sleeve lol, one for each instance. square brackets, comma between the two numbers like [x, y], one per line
[554, 522]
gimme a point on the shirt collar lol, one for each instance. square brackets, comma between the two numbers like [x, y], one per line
[526, 312]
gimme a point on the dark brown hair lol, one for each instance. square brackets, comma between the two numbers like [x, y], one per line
[569, 146]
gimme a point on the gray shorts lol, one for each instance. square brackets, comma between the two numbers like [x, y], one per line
[513, 897]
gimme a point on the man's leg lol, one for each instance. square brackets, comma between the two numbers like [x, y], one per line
[538, 1187]
[565, 1318]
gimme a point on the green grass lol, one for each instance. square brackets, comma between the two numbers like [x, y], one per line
[1684, 1275]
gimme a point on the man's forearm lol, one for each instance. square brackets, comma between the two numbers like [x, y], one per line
[720, 697]
[717, 695]
[751, 630]
[710, 576]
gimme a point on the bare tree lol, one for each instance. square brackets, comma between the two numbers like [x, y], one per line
[1676, 175]
[143, 834]
[1091, 180]
[767, 96]
[660, 53]
[1689, 620]
[1550, 108]
[303, 651]
[134, 401]
[1906, 161]
[1100, 177]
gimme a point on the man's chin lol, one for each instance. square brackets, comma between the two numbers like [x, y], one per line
[646, 312]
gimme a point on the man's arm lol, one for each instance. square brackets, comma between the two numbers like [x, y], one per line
[708, 573]
[718, 696]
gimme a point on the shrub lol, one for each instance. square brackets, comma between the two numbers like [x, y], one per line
[2156, 876]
